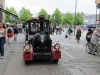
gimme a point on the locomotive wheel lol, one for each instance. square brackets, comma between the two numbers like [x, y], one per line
[26, 62]
[55, 61]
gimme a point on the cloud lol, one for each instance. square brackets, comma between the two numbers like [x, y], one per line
[87, 6]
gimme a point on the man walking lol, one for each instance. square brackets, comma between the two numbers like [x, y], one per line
[16, 30]
[69, 32]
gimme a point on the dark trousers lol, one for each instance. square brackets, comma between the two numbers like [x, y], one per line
[2, 41]
[93, 48]
[20, 30]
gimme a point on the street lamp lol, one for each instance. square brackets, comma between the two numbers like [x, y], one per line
[55, 20]
[0, 13]
[96, 17]
[75, 16]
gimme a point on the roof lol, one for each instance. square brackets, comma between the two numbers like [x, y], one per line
[37, 20]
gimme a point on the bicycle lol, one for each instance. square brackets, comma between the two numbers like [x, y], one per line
[88, 47]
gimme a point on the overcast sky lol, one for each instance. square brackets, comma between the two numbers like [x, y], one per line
[86, 6]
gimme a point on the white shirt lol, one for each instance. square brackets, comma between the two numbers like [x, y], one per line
[2, 33]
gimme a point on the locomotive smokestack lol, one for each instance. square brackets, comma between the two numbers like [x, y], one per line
[41, 18]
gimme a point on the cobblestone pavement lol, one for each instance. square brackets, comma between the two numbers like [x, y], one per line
[9, 52]
[75, 60]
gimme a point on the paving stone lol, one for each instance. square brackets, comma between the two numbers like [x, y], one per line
[90, 72]
[76, 72]
[65, 66]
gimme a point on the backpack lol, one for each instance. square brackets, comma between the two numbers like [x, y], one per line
[66, 36]
[71, 30]
[9, 30]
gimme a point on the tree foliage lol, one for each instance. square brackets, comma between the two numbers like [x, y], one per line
[57, 17]
[68, 19]
[13, 11]
[24, 14]
[7, 17]
[43, 12]
[79, 19]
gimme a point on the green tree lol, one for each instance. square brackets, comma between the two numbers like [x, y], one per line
[24, 15]
[13, 11]
[68, 19]
[57, 17]
[79, 19]
[7, 17]
[43, 12]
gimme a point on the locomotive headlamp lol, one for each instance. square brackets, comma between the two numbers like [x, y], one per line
[27, 47]
[57, 46]
[27, 51]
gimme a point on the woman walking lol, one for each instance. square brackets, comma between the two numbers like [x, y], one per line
[78, 35]
[3, 38]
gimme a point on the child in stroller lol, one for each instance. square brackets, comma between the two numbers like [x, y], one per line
[89, 34]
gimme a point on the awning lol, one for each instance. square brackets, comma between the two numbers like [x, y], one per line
[13, 15]
[91, 26]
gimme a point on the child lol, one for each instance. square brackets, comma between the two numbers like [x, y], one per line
[9, 34]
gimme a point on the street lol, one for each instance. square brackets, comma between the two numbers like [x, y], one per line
[74, 60]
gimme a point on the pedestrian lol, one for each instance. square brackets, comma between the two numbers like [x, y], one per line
[60, 30]
[20, 28]
[57, 30]
[94, 41]
[69, 32]
[16, 31]
[53, 29]
[3, 38]
[78, 34]
[9, 34]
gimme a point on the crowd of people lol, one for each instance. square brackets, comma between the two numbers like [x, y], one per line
[92, 36]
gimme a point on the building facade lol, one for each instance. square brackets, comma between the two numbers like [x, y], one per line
[91, 19]
[2, 5]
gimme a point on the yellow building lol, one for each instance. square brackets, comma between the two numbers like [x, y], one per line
[97, 3]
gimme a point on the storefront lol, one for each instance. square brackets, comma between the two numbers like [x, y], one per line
[97, 13]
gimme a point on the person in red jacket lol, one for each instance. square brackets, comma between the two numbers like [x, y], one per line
[9, 34]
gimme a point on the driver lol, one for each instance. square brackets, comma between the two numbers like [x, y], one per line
[34, 27]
